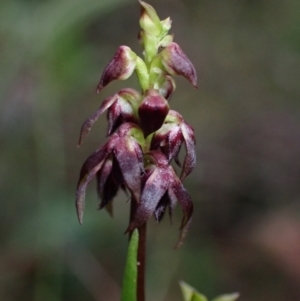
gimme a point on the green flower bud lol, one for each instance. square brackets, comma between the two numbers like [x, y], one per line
[149, 20]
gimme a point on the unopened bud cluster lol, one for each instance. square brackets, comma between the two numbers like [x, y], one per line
[144, 135]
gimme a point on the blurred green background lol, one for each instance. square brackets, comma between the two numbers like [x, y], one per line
[245, 234]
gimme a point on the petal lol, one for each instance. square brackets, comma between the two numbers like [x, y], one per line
[87, 125]
[110, 190]
[183, 198]
[102, 176]
[172, 202]
[161, 207]
[177, 63]
[112, 116]
[190, 157]
[130, 163]
[183, 233]
[90, 167]
[174, 142]
[120, 67]
[176, 159]
[153, 191]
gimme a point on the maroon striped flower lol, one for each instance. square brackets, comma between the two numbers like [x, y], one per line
[119, 162]
[170, 137]
[161, 189]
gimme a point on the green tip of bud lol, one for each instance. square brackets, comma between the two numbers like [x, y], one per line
[149, 20]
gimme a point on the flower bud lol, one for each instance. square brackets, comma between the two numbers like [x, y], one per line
[120, 67]
[166, 41]
[152, 112]
[166, 24]
[176, 62]
[149, 20]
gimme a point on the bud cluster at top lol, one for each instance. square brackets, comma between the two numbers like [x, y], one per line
[144, 134]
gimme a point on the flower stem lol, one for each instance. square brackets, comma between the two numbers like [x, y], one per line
[141, 255]
[141, 258]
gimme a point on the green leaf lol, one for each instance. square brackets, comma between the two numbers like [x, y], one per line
[189, 293]
[198, 297]
[227, 297]
[130, 275]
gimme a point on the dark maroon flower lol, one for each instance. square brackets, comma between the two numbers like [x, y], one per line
[124, 148]
[162, 188]
[152, 111]
[177, 63]
[169, 138]
[120, 67]
[122, 107]
[144, 136]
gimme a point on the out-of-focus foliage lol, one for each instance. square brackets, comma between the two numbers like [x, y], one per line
[191, 294]
[245, 234]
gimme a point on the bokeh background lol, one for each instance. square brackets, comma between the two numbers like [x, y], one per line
[245, 234]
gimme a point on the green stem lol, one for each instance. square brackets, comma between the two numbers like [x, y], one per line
[141, 258]
[141, 255]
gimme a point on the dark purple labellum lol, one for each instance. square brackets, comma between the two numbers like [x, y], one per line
[152, 112]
